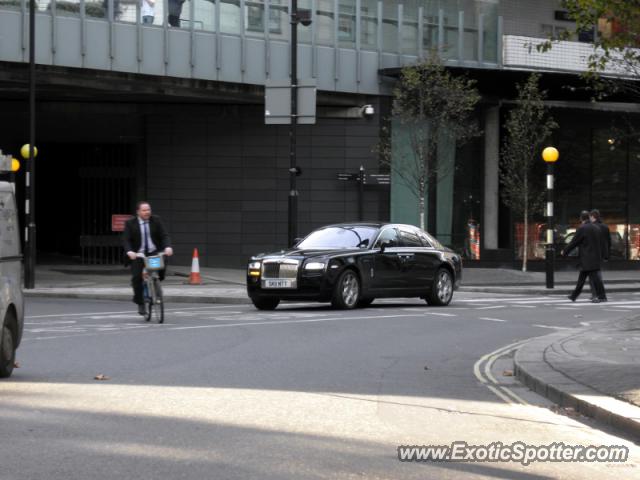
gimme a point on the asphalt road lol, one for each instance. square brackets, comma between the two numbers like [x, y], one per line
[228, 392]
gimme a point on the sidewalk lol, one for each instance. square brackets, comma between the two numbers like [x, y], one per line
[595, 370]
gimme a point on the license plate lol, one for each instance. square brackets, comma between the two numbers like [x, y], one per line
[277, 284]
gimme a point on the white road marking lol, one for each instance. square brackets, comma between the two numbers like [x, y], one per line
[491, 308]
[127, 311]
[498, 299]
[552, 327]
[284, 322]
[491, 319]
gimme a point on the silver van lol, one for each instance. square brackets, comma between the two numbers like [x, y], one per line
[11, 299]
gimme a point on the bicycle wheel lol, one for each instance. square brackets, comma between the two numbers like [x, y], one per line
[148, 296]
[158, 307]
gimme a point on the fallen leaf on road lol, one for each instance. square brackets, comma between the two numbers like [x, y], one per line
[101, 377]
[568, 411]
[507, 373]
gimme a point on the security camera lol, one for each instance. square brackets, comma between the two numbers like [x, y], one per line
[368, 110]
[304, 16]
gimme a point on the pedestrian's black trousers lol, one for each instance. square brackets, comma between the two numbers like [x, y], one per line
[603, 293]
[595, 281]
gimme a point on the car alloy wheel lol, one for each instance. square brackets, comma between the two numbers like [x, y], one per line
[442, 289]
[347, 290]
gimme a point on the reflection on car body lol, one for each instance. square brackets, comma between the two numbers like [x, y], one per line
[351, 264]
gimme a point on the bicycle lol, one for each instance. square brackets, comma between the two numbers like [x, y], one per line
[152, 290]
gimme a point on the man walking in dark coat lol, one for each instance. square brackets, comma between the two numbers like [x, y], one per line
[146, 234]
[587, 240]
[605, 243]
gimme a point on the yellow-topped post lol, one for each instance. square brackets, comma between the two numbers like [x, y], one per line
[29, 152]
[550, 156]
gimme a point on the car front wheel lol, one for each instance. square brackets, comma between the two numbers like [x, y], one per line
[346, 293]
[7, 349]
[442, 288]
[265, 303]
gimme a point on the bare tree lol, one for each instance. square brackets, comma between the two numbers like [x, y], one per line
[432, 107]
[528, 126]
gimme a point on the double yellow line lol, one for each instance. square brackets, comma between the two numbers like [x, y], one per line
[482, 371]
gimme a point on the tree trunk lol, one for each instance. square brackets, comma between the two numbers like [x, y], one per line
[432, 194]
[421, 209]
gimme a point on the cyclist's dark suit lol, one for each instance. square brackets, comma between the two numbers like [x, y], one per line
[132, 242]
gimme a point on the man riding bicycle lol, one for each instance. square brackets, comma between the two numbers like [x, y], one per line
[144, 234]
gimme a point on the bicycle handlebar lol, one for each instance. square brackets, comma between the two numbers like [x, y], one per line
[142, 255]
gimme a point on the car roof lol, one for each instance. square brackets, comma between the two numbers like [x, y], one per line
[369, 224]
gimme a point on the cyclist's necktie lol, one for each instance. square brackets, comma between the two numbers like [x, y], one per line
[146, 238]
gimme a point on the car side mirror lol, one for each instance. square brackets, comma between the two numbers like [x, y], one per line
[384, 245]
[296, 241]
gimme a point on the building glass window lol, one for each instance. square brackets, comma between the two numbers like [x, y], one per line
[390, 26]
[599, 158]
[347, 23]
[305, 32]
[279, 20]
[470, 35]
[410, 27]
[254, 18]
[430, 26]
[369, 24]
[230, 16]
[489, 9]
[325, 22]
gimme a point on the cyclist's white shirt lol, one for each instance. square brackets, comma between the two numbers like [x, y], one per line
[152, 246]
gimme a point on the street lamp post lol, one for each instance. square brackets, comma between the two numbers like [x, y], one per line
[550, 156]
[304, 17]
[293, 191]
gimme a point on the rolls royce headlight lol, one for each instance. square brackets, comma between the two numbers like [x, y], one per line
[254, 269]
[315, 266]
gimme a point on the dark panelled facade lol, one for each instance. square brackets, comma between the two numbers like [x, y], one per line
[219, 177]
[216, 174]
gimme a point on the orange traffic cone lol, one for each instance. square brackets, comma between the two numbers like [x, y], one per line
[194, 276]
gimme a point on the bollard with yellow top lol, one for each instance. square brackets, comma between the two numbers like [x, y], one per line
[550, 156]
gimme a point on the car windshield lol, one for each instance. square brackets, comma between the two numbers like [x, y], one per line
[339, 237]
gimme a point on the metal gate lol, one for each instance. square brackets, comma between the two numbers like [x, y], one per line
[107, 175]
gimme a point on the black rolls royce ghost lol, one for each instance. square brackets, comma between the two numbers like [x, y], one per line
[351, 264]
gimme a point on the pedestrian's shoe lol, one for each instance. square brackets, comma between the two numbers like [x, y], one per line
[602, 300]
[141, 309]
[571, 297]
[595, 300]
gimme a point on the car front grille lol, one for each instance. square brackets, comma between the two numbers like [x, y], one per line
[280, 269]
